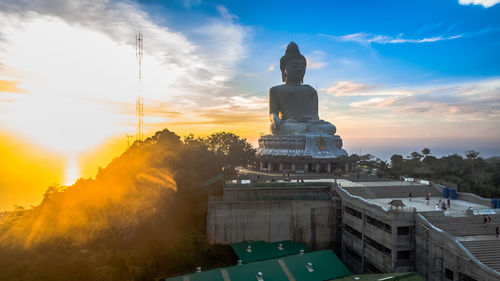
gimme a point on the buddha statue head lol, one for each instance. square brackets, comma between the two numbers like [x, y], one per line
[293, 65]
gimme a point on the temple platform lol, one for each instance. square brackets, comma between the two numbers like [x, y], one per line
[301, 153]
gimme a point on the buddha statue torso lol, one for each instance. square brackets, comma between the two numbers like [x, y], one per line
[299, 103]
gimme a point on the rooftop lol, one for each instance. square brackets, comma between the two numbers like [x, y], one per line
[401, 191]
[465, 226]
[409, 276]
[458, 207]
[250, 251]
[313, 266]
[383, 192]
[476, 236]
[280, 184]
[459, 220]
[487, 250]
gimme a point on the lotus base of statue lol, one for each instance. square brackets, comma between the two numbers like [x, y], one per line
[300, 153]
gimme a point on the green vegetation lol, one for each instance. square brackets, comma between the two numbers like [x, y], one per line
[142, 217]
[470, 174]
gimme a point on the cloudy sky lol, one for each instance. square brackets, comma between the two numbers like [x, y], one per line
[393, 76]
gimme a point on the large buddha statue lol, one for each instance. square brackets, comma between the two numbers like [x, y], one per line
[293, 106]
[299, 141]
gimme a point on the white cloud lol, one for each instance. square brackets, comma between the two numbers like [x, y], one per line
[368, 38]
[344, 88]
[315, 60]
[484, 3]
[373, 103]
[270, 68]
[311, 64]
[349, 88]
[472, 100]
[76, 59]
[225, 14]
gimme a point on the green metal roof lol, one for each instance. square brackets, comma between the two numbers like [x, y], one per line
[325, 264]
[211, 275]
[263, 250]
[270, 269]
[409, 276]
[278, 184]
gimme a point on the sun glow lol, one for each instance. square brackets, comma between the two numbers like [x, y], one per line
[64, 83]
[78, 85]
[72, 172]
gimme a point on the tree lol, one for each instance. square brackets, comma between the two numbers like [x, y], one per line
[429, 160]
[366, 157]
[236, 151]
[426, 152]
[396, 161]
[471, 155]
[416, 155]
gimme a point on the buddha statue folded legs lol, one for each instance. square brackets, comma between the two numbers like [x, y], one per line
[292, 126]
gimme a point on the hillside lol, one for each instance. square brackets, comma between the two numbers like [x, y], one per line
[143, 216]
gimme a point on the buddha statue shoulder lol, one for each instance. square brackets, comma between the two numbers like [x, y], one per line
[293, 106]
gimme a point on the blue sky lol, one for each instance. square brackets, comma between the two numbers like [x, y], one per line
[425, 71]
[321, 25]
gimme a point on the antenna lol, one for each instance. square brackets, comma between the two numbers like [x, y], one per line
[139, 105]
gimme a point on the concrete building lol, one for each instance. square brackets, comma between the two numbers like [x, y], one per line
[357, 221]
[306, 212]
[451, 244]
[457, 248]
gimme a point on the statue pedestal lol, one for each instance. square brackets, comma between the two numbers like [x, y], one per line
[300, 153]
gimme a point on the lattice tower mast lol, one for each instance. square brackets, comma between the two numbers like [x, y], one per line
[139, 105]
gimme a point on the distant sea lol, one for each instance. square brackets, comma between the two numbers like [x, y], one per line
[385, 148]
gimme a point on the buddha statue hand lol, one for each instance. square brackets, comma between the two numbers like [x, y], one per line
[275, 122]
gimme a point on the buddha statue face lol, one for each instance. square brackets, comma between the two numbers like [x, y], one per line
[293, 65]
[295, 70]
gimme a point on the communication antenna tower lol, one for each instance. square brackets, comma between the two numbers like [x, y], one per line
[139, 105]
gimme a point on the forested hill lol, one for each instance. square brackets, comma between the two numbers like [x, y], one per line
[142, 217]
[472, 174]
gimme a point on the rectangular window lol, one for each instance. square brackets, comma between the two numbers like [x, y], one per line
[352, 231]
[448, 274]
[379, 224]
[403, 230]
[353, 212]
[403, 255]
[377, 245]
[353, 254]
[372, 268]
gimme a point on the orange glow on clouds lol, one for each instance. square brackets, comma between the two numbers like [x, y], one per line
[26, 171]
[10, 87]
